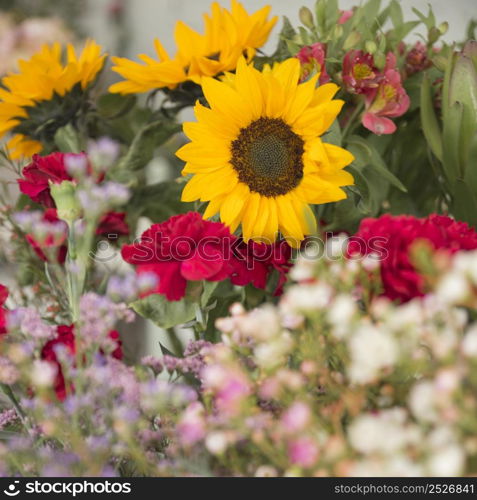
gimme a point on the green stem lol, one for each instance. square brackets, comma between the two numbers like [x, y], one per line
[351, 123]
[72, 274]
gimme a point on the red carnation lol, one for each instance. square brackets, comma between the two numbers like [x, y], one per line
[66, 337]
[256, 261]
[3, 311]
[42, 171]
[185, 247]
[396, 234]
[112, 225]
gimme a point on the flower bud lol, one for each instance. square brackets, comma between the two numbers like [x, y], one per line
[443, 27]
[370, 46]
[353, 39]
[380, 60]
[306, 17]
[67, 205]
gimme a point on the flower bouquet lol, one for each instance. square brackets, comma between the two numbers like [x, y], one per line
[305, 247]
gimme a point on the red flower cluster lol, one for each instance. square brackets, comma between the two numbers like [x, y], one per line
[66, 337]
[416, 59]
[3, 311]
[44, 170]
[359, 72]
[384, 94]
[188, 248]
[400, 279]
[38, 175]
[256, 261]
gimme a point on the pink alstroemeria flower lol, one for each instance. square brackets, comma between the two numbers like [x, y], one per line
[345, 15]
[360, 75]
[312, 59]
[388, 100]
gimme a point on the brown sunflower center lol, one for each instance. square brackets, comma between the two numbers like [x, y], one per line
[268, 157]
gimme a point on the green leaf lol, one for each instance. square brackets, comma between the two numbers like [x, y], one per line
[334, 136]
[67, 139]
[463, 89]
[464, 205]
[209, 289]
[366, 155]
[287, 34]
[451, 140]
[395, 12]
[111, 106]
[160, 201]
[320, 11]
[332, 14]
[429, 122]
[164, 313]
[141, 151]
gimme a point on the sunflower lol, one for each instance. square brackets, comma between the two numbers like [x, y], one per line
[227, 36]
[45, 95]
[256, 155]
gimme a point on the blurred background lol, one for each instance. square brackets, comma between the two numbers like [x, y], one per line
[128, 27]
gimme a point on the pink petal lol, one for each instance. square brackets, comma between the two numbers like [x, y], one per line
[378, 124]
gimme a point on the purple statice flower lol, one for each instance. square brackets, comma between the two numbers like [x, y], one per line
[123, 288]
[76, 165]
[154, 363]
[27, 220]
[98, 315]
[193, 361]
[97, 199]
[60, 464]
[103, 153]
[7, 417]
[28, 321]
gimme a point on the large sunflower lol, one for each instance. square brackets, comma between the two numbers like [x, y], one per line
[44, 95]
[227, 36]
[256, 155]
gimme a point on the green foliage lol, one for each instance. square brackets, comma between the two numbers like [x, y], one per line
[163, 312]
[142, 148]
[160, 201]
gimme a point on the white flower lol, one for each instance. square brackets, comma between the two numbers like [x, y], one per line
[272, 353]
[396, 466]
[340, 314]
[216, 442]
[385, 432]
[447, 380]
[447, 461]
[308, 298]
[469, 344]
[266, 471]
[442, 342]
[453, 288]
[466, 263]
[262, 324]
[422, 401]
[371, 350]
[43, 373]
[304, 269]
[371, 262]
